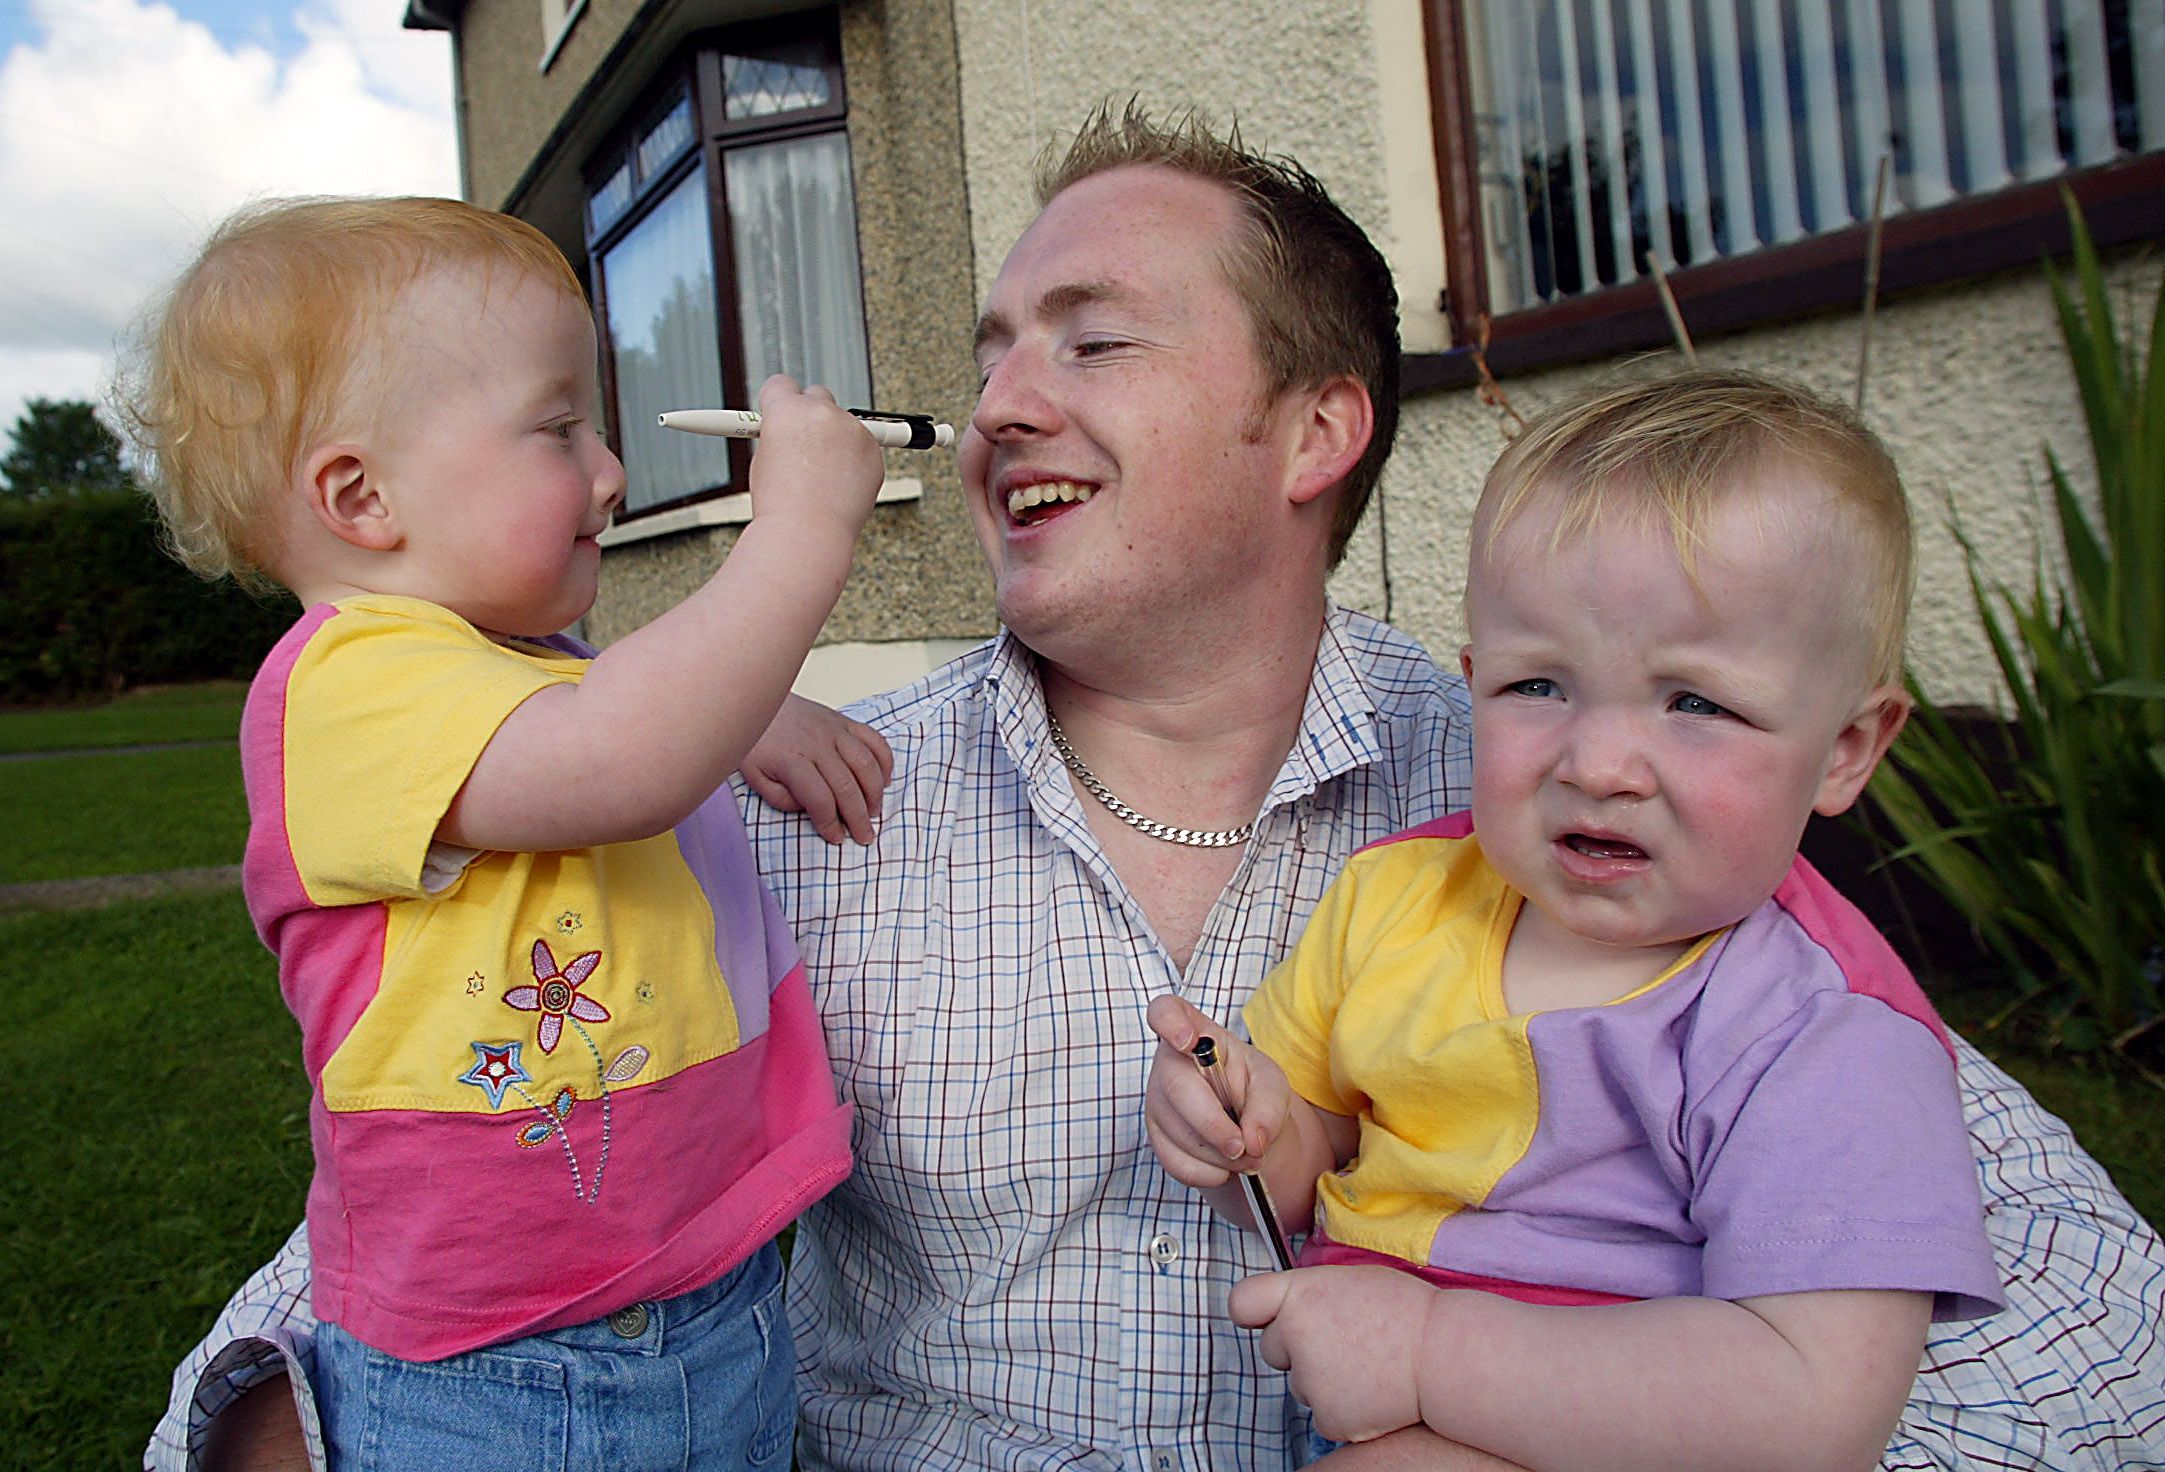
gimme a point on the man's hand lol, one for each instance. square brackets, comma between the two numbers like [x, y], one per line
[1196, 1141]
[260, 1432]
[819, 762]
[1351, 1339]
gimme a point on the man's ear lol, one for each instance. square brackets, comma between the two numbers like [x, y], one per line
[342, 493]
[1858, 747]
[1335, 425]
[1465, 662]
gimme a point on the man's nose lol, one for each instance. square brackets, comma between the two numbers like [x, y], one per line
[1605, 755]
[1017, 399]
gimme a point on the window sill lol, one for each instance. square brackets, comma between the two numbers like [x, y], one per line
[1994, 232]
[733, 510]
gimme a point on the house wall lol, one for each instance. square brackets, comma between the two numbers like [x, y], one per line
[951, 102]
[919, 576]
[1967, 382]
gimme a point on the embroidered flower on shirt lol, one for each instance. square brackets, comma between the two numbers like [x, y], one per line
[568, 921]
[496, 1068]
[475, 984]
[555, 994]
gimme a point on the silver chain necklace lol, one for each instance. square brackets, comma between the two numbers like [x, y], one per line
[1192, 837]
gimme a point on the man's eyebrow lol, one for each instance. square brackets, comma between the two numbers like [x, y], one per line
[1057, 302]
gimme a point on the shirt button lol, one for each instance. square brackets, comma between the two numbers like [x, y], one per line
[1163, 1462]
[629, 1322]
[1164, 1251]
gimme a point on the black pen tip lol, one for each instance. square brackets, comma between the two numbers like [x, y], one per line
[1205, 1051]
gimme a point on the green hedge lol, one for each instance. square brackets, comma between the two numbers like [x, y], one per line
[95, 605]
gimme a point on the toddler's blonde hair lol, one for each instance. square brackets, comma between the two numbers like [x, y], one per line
[1665, 451]
[268, 340]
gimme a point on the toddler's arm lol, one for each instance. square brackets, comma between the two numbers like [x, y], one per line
[667, 713]
[1797, 1380]
[1280, 1134]
[819, 762]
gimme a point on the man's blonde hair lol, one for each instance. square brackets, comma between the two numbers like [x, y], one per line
[1666, 451]
[266, 340]
[1320, 299]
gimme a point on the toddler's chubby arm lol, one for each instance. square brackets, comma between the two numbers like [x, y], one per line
[1280, 1134]
[819, 762]
[665, 714]
[1799, 1380]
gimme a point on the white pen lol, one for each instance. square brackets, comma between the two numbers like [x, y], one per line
[895, 431]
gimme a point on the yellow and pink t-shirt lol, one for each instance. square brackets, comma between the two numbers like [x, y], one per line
[545, 1085]
[1775, 1113]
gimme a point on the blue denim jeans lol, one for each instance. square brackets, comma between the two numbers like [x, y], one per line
[703, 1381]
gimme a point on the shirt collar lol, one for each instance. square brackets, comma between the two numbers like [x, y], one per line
[1337, 729]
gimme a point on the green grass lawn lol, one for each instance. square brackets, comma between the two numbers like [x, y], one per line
[2115, 1115]
[206, 712]
[121, 812]
[162, 1153]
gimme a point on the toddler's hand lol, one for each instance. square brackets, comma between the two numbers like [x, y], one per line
[819, 762]
[1188, 1128]
[813, 459]
[1350, 1338]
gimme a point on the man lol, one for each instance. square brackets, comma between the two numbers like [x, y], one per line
[1143, 785]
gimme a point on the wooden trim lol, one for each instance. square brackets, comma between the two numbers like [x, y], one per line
[1458, 176]
[2122, 203]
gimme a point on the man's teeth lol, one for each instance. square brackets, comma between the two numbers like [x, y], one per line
[1045, 493]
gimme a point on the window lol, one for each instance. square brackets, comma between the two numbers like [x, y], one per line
[557, 19]
[722, 231]
[1743, 139]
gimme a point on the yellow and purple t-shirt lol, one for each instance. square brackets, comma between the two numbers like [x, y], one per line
[545, 1085]
[1775, 1113]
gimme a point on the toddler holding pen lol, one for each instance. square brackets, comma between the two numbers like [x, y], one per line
[568, 1083]
[1665, 1127]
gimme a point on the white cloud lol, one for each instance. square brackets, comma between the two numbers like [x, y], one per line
[126, 131]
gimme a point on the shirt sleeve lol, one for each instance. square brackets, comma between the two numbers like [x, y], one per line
[2071, 1375]
[396, 710]
[1830, 1154]
[266, 1329]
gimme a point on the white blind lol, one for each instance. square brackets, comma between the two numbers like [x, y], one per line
[1697, 129]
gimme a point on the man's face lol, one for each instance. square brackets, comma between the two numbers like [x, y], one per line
[1113, 466]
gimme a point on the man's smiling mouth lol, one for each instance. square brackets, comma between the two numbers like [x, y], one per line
[1036, 502]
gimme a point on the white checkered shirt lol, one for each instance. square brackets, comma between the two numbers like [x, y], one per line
[1009, 1281]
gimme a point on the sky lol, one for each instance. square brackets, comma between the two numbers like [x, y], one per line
[128, 128]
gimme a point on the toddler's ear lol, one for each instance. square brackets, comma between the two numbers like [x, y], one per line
[1858, 747]
[343, 496]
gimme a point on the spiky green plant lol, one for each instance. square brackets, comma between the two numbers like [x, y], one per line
[2050, 836]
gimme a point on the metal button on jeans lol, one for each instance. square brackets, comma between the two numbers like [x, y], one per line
[629, 1322]
[1164, 1250]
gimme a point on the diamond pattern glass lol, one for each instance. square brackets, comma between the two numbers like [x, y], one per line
[785, 79]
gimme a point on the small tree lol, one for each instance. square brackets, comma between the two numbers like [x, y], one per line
[59, 447]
